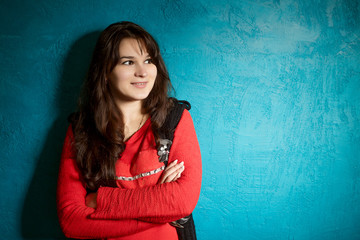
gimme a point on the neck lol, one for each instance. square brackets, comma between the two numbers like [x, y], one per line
[133, 117]
[131, 111]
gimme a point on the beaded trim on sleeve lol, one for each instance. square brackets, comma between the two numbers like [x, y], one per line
[145, 174]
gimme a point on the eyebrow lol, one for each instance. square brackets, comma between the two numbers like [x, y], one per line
[126, 57]
[132, 57]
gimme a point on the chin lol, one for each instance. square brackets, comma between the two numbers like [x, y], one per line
[141, 97]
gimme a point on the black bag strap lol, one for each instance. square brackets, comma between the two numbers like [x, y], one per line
[173, 118]
[167, 130]
[185, 227]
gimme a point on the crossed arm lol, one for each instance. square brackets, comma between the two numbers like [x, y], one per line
[171, 173]
[116, 213]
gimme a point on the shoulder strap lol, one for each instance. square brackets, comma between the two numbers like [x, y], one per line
[185, 227]
[173, 118]
[167, 130]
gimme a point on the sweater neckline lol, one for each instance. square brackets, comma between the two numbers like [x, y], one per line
[139, 132]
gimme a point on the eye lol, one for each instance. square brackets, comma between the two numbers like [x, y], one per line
[129, 62]
[148, 61]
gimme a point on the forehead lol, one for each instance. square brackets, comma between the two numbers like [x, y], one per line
[131, 47]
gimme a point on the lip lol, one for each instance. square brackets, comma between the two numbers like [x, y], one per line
[139, 84]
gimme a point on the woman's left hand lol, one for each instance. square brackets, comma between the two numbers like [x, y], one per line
[90, 200]
[172, 172]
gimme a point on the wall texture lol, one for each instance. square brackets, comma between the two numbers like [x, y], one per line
[275, 92]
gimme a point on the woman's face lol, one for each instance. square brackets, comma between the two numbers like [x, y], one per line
[133, 77]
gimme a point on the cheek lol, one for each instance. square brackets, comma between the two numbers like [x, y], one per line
[124, 75]
[118, 76]
[153, 71]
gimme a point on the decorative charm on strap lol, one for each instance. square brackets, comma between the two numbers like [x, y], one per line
[164, 150]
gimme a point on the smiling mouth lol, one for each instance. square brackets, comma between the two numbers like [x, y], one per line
[139, 83]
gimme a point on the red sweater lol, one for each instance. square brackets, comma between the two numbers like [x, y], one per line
[139, 208]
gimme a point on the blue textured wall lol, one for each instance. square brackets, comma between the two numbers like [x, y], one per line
[275, 92]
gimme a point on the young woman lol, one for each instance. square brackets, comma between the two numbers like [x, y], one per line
[111, 183]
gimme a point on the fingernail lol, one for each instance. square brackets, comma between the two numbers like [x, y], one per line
[176, 161]
[182, 163]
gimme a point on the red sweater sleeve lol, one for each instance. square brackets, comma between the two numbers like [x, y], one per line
[72, 211]
[163, 202]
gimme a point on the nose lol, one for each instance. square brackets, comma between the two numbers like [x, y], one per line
[140, 71]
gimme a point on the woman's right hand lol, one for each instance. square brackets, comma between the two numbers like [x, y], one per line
[172, 172]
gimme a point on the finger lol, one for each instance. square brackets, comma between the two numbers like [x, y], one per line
[173, 169]
[180, 170]
[172, 177]
[170, 171]
[177, 177]
[172, 164]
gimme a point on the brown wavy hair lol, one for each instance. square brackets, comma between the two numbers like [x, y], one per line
[98, 125]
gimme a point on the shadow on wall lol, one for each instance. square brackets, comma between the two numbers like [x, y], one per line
[39, 217]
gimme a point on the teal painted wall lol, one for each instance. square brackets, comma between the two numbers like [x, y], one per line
[275, 92]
